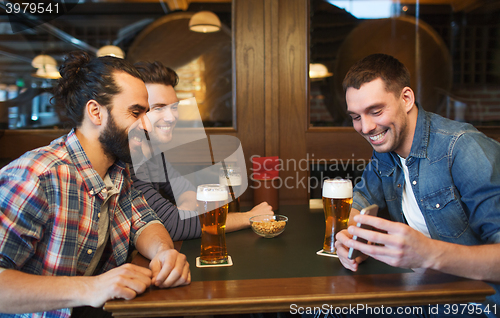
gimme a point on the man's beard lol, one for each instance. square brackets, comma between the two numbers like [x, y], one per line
[114, 141]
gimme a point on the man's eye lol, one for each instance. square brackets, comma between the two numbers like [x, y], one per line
[355, 117]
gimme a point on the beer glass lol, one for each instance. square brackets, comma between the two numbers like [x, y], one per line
[212, 212]
[337, 202]
[231, 177]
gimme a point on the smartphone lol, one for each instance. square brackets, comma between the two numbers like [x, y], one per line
[369, 210]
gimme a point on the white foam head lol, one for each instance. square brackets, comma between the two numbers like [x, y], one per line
[211, 193]
[337, 189]
[234, 180]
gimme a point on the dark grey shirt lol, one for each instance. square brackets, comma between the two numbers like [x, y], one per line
[159, 181]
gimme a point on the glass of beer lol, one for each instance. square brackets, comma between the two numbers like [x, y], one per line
[337, 202]
[231, 177]
[212, 212]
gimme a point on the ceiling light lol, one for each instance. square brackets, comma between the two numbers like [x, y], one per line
[46, 67]
[317, 70]
[49, 71]
[110, 50]
[41, 60]
[204, 22]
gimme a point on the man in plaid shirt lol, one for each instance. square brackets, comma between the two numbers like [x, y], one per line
[68, 212]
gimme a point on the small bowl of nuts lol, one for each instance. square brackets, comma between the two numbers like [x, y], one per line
[268, 226]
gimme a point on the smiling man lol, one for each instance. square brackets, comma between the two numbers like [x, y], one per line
[173, 200]
[68, 212]
[439, 180]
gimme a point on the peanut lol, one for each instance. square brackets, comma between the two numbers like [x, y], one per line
[269, 227]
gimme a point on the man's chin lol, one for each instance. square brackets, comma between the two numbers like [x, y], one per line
[381, 148]
[162, 140]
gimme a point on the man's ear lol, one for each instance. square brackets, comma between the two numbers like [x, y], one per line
[95, 112]
[408, 97]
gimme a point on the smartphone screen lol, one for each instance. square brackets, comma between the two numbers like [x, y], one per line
[369, 210]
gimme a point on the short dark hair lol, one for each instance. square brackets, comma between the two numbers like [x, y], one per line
[394, 74]
[84, 78]
[157, 73]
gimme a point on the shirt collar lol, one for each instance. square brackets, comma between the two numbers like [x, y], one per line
[421, 136]
[93, 182]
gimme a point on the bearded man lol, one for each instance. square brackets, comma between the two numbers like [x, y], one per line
[68, 212]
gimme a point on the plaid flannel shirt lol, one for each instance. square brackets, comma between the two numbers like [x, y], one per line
[49, 203]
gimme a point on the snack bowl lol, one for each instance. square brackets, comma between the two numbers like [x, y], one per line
[268, 226]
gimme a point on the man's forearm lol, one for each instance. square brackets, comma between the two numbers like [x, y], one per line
[153, 239]
[26, 293]
[475, 262]
[237, 221]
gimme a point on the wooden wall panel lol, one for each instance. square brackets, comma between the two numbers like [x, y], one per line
[293, 99]
[271, 36]
[13, 143]
[249, 52]
[342, 143]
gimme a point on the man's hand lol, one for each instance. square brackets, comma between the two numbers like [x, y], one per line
[170, 269]
[261, 208]
[400, 246]
[342, 251]
[237, 221]
[125, 282]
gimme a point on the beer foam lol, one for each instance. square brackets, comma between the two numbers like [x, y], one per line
[212, 194]
[233, 180]
[337, 189]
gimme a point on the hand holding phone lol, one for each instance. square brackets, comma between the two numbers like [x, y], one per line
[369, 210]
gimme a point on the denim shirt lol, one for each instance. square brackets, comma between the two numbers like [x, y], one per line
[455, 176]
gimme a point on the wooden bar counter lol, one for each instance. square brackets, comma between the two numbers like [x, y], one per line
[284, 273]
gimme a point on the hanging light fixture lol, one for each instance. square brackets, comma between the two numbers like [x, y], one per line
[204, 22]
[42, 60]
[46, 67]
[48, 71]
[318, 70]
[111, 50]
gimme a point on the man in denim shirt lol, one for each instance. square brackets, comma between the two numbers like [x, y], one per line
[439, 180]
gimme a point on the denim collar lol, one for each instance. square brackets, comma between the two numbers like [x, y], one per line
[421, 136]
[419, 143]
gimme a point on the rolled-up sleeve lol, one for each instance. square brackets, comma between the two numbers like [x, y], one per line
[142, 214]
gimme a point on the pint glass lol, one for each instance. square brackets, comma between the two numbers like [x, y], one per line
[231, 178]
[337, 202]
[212, 212]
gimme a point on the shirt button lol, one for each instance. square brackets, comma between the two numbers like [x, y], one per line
[104, 190]
[437, 206]
[98, 215]
[91, 192]
[399, 185]
[414, 182]
[89, 251]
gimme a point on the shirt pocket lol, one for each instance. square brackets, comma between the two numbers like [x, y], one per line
[388, 177]
[445, 212]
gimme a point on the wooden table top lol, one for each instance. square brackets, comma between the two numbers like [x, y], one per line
[284, 273]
